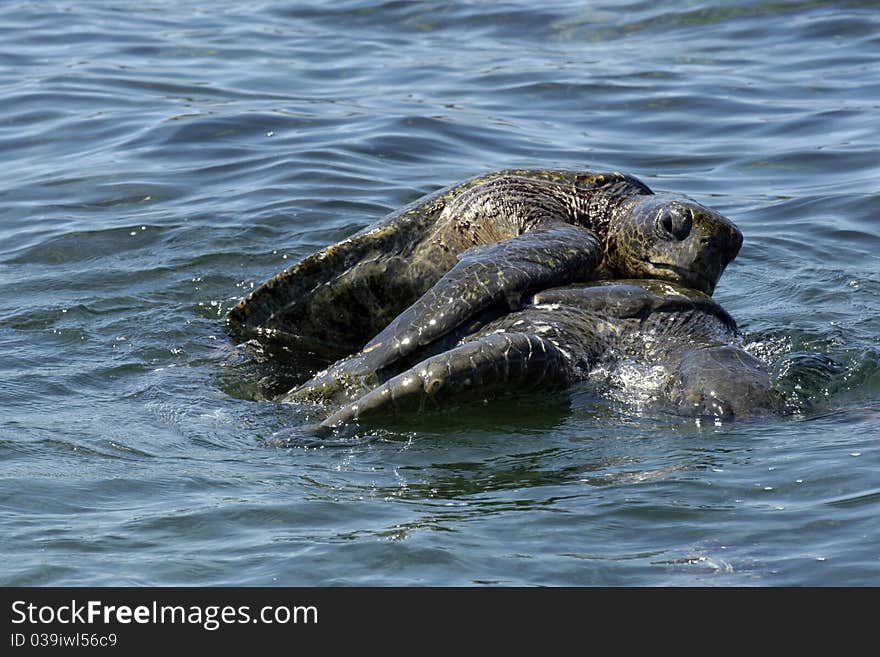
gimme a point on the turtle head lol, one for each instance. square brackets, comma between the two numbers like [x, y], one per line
[673, 238]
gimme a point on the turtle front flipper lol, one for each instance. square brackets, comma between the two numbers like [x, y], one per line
[481, 369]
[491, 276]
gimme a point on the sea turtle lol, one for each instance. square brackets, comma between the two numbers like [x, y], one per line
[678, 342]
[468, 253]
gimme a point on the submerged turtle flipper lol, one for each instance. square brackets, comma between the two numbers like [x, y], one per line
[494, 275]
[481, 369]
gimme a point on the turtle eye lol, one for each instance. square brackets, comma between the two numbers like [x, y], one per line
[674, 225]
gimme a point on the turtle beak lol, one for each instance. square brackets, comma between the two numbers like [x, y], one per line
[725, 246]
[716, 248]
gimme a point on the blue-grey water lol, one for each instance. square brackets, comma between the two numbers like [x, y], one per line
[162, 157]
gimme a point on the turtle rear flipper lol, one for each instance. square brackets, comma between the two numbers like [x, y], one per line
[478, 370]
[493, 275]
[333, 300]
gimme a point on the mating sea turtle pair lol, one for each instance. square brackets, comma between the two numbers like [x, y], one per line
[429, 301]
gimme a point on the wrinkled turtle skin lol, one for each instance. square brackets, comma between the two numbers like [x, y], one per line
[602, 225]
[568, 334]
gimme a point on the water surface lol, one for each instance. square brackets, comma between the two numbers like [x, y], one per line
[161, 158]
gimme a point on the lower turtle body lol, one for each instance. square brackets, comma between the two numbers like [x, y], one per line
[574, 333]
